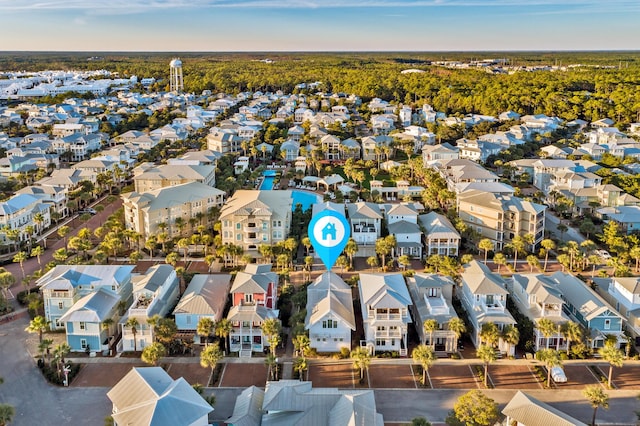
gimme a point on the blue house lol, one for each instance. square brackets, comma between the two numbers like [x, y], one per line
[83, 321]
[205, 297]
[589, 309]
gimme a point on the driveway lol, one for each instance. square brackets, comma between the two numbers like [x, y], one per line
[37, 402]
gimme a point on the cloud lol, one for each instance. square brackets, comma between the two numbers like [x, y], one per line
[137, 6]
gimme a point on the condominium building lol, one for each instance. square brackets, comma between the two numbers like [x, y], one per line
[170, 206]
[251, 218]
[501, 217]
[172, 175]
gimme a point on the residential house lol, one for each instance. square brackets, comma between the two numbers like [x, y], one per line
[545, 169]
[384, 301]
[431, 296]
[171, 207]
[525, 410]
[445, 151]
[172, 174]
[460, 171]
[589, 309]
[18, 212]
[254, 299]
[65, 285]
[501, 217]
[627, 217]
[197, 158]
[373, 146]
[205, 297]
[251, 218]
[382, 124]
[440, 236]
[623, 293]
[223, 141]
[294, 402]
[537, 297]
[290, 150]
[149, 396]
[365, 220]
[484, 298]
[402, 222]
[53, 195]
[154, 293]
[77, 147]
[330, 315]
[477, 150]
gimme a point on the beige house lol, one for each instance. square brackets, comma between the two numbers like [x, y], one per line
[143, 212]
[251, 218]
[501, 217]
[172, 175]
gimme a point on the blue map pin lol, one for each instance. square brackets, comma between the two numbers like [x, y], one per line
[329, 232]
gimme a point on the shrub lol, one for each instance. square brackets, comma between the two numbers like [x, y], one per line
[56, 377]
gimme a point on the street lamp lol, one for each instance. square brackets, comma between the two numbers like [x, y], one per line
[277, 360]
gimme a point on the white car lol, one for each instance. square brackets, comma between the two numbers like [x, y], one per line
[557, 374]
[603, 254]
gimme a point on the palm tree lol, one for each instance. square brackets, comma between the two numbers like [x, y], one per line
[547, 328]
[223, 329]
[488, 355]
[499, 259]
[457, 326]
[271, 328]
[613, 356]
[134, 324]
[20, 257]
[60, 352]
[425, 356]
[350, 249]
[301, 343]
[372, 261]
[548, 245]
[153, 353]
[551, 358]
[44, 347]
[271, 364]
[204, 329]
[486, 245]
[572, 332]
[36, 252]
[106, 325]
[489, 334]
[429, 327]
[511, 336]
[210, 357]
[300, 365]
[597, 397]
[519, 244]
[38, 325]
[361, 359]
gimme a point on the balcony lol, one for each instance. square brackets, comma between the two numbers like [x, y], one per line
[437, 305]
[496, 306]
[384, 317]
[382, 334]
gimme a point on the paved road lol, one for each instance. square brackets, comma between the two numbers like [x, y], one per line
[572, 234]
[36, 402]
[31, 265]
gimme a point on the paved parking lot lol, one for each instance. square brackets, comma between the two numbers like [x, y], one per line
[391, 376]
[244, 375]
[578, 376]
[333, 375]
[452, 377]
[626, 377]
[102, 375]
[192, 373]
[513, 377]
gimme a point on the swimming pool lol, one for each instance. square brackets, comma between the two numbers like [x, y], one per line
[306, 199]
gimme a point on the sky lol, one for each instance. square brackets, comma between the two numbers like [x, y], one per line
[318, 25]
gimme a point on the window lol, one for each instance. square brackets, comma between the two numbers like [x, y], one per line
[113, 288]
[83, 343]
[60, 305]
[248, 297]
[238, 225]
[433, 292]
[245, 324]
[239, 237]
[188, 319]
[83, 325]
[607, 324]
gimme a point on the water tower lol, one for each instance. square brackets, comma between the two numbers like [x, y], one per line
[175, 75]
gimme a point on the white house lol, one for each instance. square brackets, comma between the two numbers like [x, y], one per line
[330, 315]
[385, 301]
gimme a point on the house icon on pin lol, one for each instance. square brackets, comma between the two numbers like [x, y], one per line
[329, 230]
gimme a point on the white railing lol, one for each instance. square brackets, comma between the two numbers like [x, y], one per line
[437, 305]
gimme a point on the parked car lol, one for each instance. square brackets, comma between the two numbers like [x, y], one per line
[88, 210]
[603, 254]
[557, 374]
